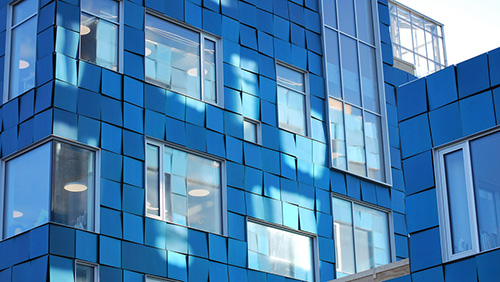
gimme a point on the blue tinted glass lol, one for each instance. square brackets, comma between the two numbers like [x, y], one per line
[365, 20]
[369, 79]
[350, 70]
[346, 17]
[330, 13]
[355, 140]
[291, 110]
[210, 71]
[23, 57]
[152, 181]
[23, 10]
[84, 273]
[374, 151]
[106, 9]
[337, 133]
[99, 42]
[250, 131]
[290, 78]
[344, 239]
[332, 63]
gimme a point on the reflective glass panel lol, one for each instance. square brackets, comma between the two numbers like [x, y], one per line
[457, 201]
[355, 140]
[330, 13]
[73, 186]
[250, 131]
[347, 22]
[210, 72]
[99, 41]
[350, 70]
[290, 78]
[369, 80]
[84, 273]
[280, 252]
[23, 58]
[173, 57]
[344, 240]
[337, 133]
[365, 20]
[27, 190]
[374, 149]
[291, 110]
[333, 64]
[105, 9]
[23, 10]
[152, 181]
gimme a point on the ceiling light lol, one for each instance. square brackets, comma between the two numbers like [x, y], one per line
[84, 30]
[23, 64]
[193, 72]
[75, 187]
[17, 214]
[198, 192]
[148, 51]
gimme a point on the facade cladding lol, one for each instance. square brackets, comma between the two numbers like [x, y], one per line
[214, 140]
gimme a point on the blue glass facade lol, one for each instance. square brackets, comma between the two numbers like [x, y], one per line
[285, 179]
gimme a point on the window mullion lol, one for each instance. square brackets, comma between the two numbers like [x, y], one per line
[354, 238]
[471, 198]
[202, 67]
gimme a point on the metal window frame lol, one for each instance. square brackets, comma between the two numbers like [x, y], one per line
[223, 183]
[154, 278]
[8, 47]
[312, 236]
[258, 130]
[390, 227]
[52, 139]
[121, 44]
[219, 76]
[95, 266]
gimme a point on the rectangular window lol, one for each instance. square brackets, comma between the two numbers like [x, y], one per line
[175, 55]
[361, 237]
[281, 252]
[85, 272]
[99, 32]
[21, 48]
[469, 196]
[251, 130]
[292, 100]
[60, 188]
[356, 117]
[184, 188]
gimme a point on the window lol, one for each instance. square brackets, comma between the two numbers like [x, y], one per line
[175, 55]
[292, 100]
[468, 186]
[184, 188]
[278, 251]
[355, 95]
[60, 187]
[251, 130]
[99, 32]
[158, 279]
[21, 48]
[361, 237]
[85, 272]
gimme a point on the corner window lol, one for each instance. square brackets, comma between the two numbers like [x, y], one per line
[469, 196]
[60, 187]
[85, 272]
[292, 100]
[361, 237]
[21, 48]
[353, 84]
[251, 130]
[281, 252]
[184, 188]
[182, 60]
[99, 32]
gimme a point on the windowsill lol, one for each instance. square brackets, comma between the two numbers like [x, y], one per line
[381, 273]
[185, 226]
[385, 184]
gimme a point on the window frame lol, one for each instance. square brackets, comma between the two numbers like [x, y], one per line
[223, 183]
[306, 93]
[258, 129]
[157, 278]
[27, 149]
[390, 227]
[312, 236]
[120, 51]
[384, 134]
[8, 48]
[219, 76]
[88, 264]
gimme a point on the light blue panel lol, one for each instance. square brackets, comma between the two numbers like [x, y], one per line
[249, 82]
[487, 269]
[253, 180]
[307, 221]
[86, 246]
[323, 201]
[288, 166]
[177, 266]
[320, 153]
[289, 191]
[61, 269]
[431, 274]
[418, 172]
[272, 210]
[290, 216]
[198, 269]
[155, 233]
[66, 43]
[236, 225]
[197, 243]
[133, 228]
[477, 113]
[232, 57]
[287, 143]
[321, 177]
[177, 238]
[195, 112]
[272, 186]
[66, 69]
[251, 106]
[425, 249]
[473, 76]
[305, 172]
[88, 131]
[415, 135]
[255, 206]
[270, 161]
[65, 96]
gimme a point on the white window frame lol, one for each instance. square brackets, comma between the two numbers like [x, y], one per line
[8, 47]
[53, 138]
[120, 50]
[218, 58]
[390, 227]
[223, 189]
[384, 134]
[312, 236]
[88, 264]
[307, 97]
[258, 130]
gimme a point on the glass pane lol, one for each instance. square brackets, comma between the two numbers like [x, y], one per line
[346, 17]
[152, 181]
[457, 201]
[291, 110]
[344, 240]
[419, 41]
[280, 252]
[333, 64]
[369, 80]
[27, 195]
[106, 9]
[374, 150]
[99, 42]
[290, 78]
[337, 133]
[350, 72]
[394, 30]
[405, 34]
[372, 238]
[173, 57]
[250, 131]
[485, 157]
[407, 55]
[210, 72]
[23, 10]
[429, 46]
[84, 273]
[330, 13]
[403, 13]
[73, 187]
[355, 140]
[23, 57]
[365, 20]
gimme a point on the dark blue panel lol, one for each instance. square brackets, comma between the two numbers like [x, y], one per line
[134, 65]
[477, 113]
[155, 233]
[233, 125]
[111, 138]
[270, 137]
[419, 173]
[236, 227]
[87, 100]
[44, 69]
[253, 180]
[397, 201]
[43, 124]
[232, 76]
[129, 276]
[110, 251]
[39, 241]
[299, 57]
[214, 118]
[177, 266]
[269, 114]
[134, 15]
[155, 125]
[487, 263]
[217, 248]
[215, 144]
[425, 249]
[133, 200]
[213, 5]
[62, 241]
[383, 196]
[464, 270]
[445, 124]
[288, 166]
[156, 266]
[193, 17]
[133, 117]
[325, 224]
[230, 8]
[133, 255]
[234, 173]
[133, 145]
[21, 250]
[395, 157]
[237, 274]
[431, 274]
[441, 88]
[237, 252]
[111, 194]
[353, 187]
[66, 43]
[415, 135]
[86, 246]
[196, 137]
[212, 22]
[232, 100]
[236, 200]
[473, 76]
[43, 98]
[46, 16]
[133, 91]
[176, 105]
[111, 111]
[265, 42]
[110, 274]
[282, 50]
[493, 63]
[111, 222]
[248, 36]
[267, 89]
[401, 243]
[198, 269]
[326, 250]
[6, 247]
[177, 238]
[133, 171]
[89, 76]
[88, 131]
[232, 55]
[65, 124]
[113, 164]
[399, 223]
[368, 193]
[248, 14]
[38, 270]
[195, 112]
[26, 133]
[412, 99]
[197, 243]
[257, 276]
[65, 96]
[155, 98]
[270, 161]
[176, 131]
[314, 63]
[289, 191]
[68, 16]
[11, 113]
[253, 155]
[313, 21]
[112, 83]
[133, 227]
[234, 149]
[297, 35]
